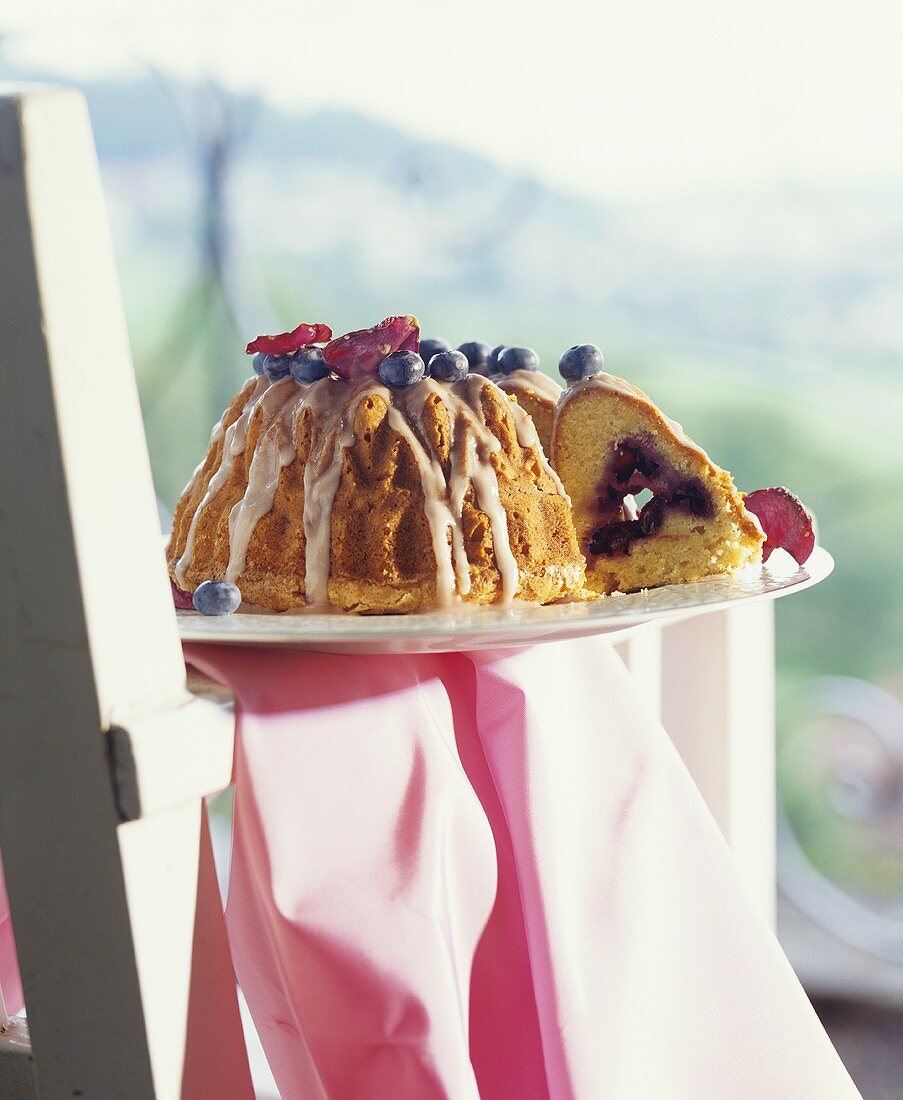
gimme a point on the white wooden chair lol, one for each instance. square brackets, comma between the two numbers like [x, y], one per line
[105, 757]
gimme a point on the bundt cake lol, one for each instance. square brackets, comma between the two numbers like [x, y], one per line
[349, 474]
[341, 476]
[610, 444]
[537, 394]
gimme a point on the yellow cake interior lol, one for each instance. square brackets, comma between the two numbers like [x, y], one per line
[698, 526]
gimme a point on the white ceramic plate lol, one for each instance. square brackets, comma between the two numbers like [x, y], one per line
[466, 627]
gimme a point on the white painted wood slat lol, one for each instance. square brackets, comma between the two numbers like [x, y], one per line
[718, 705]
[88, 640]
[710, 680]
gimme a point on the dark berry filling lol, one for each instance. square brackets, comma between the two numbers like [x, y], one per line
[636, 467]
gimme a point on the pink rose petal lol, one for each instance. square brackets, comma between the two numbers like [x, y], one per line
[786, 521]
[180, 597]
[358, 354]
[287, 342]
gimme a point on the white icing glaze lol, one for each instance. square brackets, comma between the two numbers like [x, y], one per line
[330, 437]
[439, 514]
[332, 407]
[234, 441]
[527, 436]
[472, 445]
[529, 381]
[486, 486]
[275, 449]
[443, 499]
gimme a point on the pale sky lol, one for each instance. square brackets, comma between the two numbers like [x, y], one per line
[609, 99]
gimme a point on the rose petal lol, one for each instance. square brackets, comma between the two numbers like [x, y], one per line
[287, 342]
[787, 523]
[358, 354]
[180, 597]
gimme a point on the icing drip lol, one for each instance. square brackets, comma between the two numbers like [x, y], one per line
[438, 513]
[458, 482]
[529, 381]
[540, 385]
[484, 479]
[443, 499]
[601, 381]
[275, 449]
[527, 436]
[234, 440]
[330, 437]
[332, 409]
[321, 480]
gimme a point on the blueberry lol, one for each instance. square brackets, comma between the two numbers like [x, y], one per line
[259, 362]
[276, 366]
[401, 368]
[581, 361]
[308, 365]
[511, 359]
[449, 366]
[216, 598]
[492, 363]
[429, 348]
[477, 356]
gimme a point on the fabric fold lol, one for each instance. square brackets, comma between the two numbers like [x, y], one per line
[10, 979]
[489, 874]
[363, 873]
[652, 974]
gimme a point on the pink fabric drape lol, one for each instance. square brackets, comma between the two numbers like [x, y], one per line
[10, 980]
[490, 875]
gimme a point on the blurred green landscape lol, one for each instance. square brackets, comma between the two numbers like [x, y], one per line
[766, 321]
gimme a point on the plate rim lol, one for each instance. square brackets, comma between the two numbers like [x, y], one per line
[392, 632]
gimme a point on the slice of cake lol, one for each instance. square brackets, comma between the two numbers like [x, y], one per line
[650, 507]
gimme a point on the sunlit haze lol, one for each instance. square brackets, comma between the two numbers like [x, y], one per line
[611, 100]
